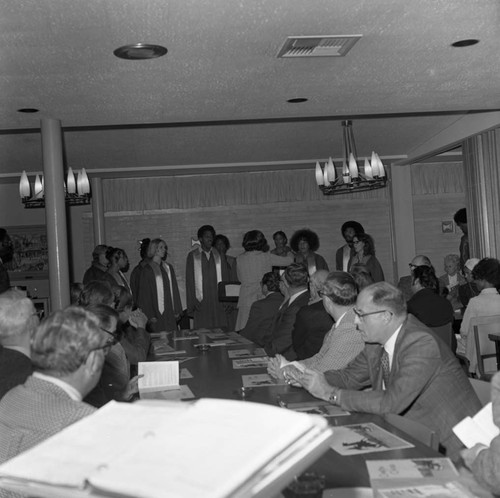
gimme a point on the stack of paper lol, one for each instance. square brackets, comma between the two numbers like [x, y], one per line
[210, 448]
[158, 376]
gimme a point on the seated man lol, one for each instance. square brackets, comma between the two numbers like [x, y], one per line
[483, 461]
[410, 371]
[294, 287]
[405, 283]
[18, 320]
[426, 304]
[67, 351]
[343, 342]
[312, 322]
[263, 311]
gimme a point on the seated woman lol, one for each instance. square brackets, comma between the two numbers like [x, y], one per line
[280, 241]
[263, 311]
[364, 257]
[486, 275]
[304, 244]
[451, 280]
[484, 461]
[132, 329]
[426, 304]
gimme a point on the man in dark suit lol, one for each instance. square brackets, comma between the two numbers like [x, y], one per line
[18, 320]
[411, 372]
[6, 254]
[263, 311]
[312, 322]
[344, 254]
[67, 351]
[294, 283]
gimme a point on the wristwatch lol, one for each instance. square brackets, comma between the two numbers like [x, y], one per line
[333, 397]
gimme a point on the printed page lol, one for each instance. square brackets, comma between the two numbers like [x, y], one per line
[158, 376]
[478, 429]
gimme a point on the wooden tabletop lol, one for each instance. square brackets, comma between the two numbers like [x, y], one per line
[214, 377]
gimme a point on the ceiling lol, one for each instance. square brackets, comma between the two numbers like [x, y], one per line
[219, 97]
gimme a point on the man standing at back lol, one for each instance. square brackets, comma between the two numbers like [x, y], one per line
[204, 270]
[411, 372]
[67, 351]
[18, 320]
[346, 252]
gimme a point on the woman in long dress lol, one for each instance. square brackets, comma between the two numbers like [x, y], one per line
[251, 265]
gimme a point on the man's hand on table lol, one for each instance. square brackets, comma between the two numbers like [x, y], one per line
[315, 382]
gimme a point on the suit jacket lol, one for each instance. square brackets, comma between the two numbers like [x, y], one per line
[311, 325]
[261, 318]
[4, 278]
[486, 466]
[281, 334]
[94, 272]
[426, 383]
[339, 258]
[15, 368]
[430, 308]
[34, 411]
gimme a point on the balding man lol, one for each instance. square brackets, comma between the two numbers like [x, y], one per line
[410, 371]
[312, 322]
[405, 283]
[67, 351]
[18, 320]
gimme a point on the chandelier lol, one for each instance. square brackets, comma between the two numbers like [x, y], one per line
[77, 191]
[351, 180]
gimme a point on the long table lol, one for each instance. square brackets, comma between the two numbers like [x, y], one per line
[214, 377]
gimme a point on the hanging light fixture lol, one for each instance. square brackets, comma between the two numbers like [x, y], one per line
[351, 179]
[77, 192]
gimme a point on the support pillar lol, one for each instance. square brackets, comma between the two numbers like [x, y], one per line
[98, 212]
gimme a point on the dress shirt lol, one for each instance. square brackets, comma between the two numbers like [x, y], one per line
[73, 393]
[390, 344]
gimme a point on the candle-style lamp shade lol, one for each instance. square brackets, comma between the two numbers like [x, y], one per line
[24, 186]
[70, 182]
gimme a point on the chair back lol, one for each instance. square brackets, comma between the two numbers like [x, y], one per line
[414, 429]
[445, 332]
[485, 347]
[483, 390]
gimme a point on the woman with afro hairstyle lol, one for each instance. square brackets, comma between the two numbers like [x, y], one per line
[304, 244]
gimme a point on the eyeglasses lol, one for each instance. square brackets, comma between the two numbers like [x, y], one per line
[359, 314]
[113, 341]
[105, 349]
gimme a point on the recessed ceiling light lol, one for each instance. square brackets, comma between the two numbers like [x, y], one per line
[465, 43]
[28, 110]
[140, 51]
[297, 100]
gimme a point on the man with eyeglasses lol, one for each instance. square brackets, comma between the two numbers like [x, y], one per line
[67, 352]
[405, 283]
[410, 371]
[18, 320]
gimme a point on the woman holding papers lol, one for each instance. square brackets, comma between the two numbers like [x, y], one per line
[483, 461]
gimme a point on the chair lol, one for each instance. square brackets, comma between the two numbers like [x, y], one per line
[484, 359]
[414, 429]
[482, 389]
[445, 332]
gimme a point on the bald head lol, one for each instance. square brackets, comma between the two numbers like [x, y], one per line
[420, 260]
[18, 318]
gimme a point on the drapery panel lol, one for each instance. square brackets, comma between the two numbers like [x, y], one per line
[210, 190]
[437, 178]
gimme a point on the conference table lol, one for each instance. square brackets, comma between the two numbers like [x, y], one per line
[212, 375]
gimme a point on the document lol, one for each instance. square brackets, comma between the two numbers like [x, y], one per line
[250, 363]
[158, 376]
[99, 454]
[477, 429]
[245, 353]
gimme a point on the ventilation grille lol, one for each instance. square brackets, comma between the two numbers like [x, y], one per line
[318, 46]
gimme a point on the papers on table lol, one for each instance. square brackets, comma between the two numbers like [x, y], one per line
[365, 438]
[314, 407]
[250, 363]
[423, 477]
[183, 393]
[478, 429]
[259, 380]
[245, 353]
[100, 452]
[185, 374]
[158, 376]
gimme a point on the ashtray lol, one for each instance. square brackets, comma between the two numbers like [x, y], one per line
[203, 347]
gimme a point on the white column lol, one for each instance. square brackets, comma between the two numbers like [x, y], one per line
[98, 212]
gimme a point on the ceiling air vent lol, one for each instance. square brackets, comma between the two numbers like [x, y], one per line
[318, 46]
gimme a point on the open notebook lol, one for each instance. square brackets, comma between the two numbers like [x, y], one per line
[209, 448]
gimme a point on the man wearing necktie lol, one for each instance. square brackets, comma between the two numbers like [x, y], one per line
[410, 370]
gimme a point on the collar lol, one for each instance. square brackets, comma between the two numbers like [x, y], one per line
[295, 296]
[73, 393]
[489, 290]
[337, 323]
[20, 349]
[390, 344]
